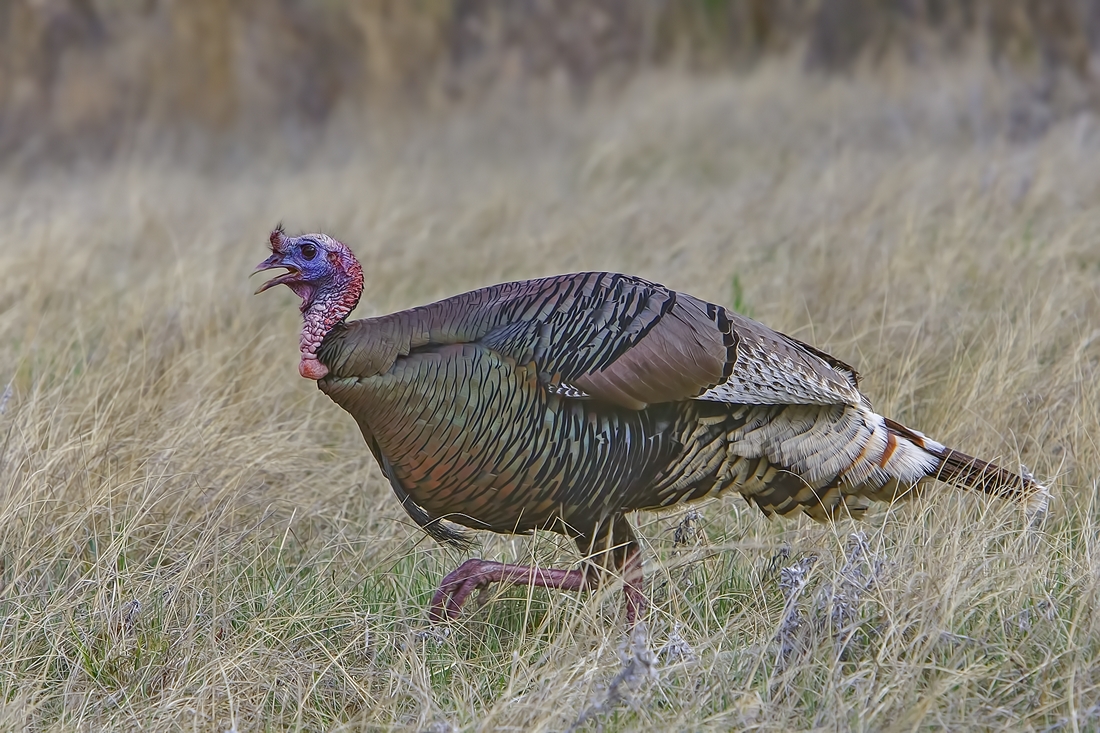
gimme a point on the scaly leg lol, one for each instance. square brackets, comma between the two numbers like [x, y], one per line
[622, 554]
[614, 549]
[476, 573]
[634, 587]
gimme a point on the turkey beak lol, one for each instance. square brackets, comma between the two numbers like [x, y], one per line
[272, 262]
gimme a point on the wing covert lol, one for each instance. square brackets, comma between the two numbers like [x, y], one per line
[606, 336]
[775, 369]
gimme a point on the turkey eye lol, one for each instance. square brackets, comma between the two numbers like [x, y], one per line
[309, 251]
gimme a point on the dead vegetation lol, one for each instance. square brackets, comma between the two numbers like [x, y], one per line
[80, 77]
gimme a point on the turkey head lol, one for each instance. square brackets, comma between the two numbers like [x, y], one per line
[326, 276]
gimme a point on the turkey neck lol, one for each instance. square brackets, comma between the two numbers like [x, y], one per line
[329, 306]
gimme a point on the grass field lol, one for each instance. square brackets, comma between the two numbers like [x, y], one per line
[192, 537]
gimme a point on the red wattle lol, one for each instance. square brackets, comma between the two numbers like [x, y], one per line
[311, 368]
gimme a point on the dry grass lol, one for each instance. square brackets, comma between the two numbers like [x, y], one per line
[192, 537]
[91, 75]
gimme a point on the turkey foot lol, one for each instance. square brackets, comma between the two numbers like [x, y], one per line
[475, 573]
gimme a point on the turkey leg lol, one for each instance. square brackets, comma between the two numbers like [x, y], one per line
[475, 573]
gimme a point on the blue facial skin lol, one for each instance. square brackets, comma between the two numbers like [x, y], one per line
[307, 262]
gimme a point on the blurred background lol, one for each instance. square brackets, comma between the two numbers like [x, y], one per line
[94, 77]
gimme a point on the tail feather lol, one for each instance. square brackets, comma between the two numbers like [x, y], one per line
[963, 470]
[831, 462]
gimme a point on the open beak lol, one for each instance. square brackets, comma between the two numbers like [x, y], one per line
[272, 262]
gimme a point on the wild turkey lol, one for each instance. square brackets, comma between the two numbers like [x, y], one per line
[564, 402]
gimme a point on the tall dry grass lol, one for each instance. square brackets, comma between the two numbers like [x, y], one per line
[90, 75]
[192, 537]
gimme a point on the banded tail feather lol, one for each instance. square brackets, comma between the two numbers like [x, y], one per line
[830, 462]
[959, 469]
